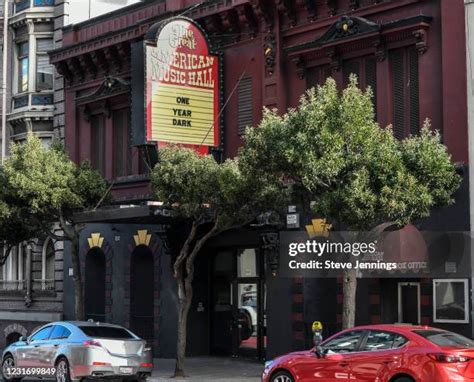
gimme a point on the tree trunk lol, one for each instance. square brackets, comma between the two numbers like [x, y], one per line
[78, 287]
[72, 232]
[184, 274]
[185, 296]
[349, 289]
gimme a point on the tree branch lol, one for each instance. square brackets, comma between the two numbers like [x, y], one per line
[197, 247]
[185, 249]
[56, 237]
[4, 259]
[104, 196]
[68, 230]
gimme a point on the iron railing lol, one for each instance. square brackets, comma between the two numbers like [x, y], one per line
[43, 284]
[7, 285]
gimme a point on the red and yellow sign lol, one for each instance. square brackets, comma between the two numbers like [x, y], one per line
[182, 91]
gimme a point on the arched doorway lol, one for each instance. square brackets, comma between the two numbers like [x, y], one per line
[12, 337]
[141, 293]
[94, 296]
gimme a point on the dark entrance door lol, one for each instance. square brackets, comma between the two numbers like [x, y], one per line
[409, 302]
[223, 270]
[248, 302]
[141, 293]
[94, 296]
[238, 304]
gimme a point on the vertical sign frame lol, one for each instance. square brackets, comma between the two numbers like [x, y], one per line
[183, 87]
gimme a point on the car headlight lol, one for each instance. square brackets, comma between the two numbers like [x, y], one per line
[269, 364]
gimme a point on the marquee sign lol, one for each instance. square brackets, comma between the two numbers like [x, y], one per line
[182, 90]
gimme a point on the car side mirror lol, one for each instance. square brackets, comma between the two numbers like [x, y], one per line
[319, 351]
[23, 339]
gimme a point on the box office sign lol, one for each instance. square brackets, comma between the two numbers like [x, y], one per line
[182, 90]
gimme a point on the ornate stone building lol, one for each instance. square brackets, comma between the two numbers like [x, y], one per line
[31, 278]
[412, 54]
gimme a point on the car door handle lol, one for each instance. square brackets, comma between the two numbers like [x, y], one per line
[36, 346]
[56, 345]
[343, 364]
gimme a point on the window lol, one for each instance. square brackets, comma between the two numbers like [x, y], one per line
[42, 334]
[247, 263]
[98, 143]
[23, 65]
[59, 332]
[405, 97]
[14, 269]
[317, 75]
[244, 105]
[450, 301]
[44, 70]
[444, 338]
[345, 342]
[383, 341]
[46, 282]
[44, 3]
[48, 262]
[365, 69]
[47, 141]
[105, 332]
[21, 5]
[121, 123]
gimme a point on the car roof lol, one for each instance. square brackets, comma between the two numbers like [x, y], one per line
[399, 328]
[85, 323]
[93, 323]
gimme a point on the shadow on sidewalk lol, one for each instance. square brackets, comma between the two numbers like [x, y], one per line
[209, 369]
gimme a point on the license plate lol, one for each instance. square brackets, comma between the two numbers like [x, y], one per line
[126, 370]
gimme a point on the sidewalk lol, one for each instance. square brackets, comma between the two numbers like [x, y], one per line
[204, 369]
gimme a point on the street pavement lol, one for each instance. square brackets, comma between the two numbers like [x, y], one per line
[213, 369]
[202, 369]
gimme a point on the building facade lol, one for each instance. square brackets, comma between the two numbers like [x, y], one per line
[31, 278]
[410, 52]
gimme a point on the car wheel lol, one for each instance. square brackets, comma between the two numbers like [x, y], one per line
[282, 376]
[8, 362]
[403, 379]
[62, 370]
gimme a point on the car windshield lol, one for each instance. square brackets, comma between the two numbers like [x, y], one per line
[105, 332]
[444, 338]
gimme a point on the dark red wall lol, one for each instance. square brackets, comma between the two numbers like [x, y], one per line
[442, 71]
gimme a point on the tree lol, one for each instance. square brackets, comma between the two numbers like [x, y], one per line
[47, 184]
[359, 175]
[212, 198]
[13, 215]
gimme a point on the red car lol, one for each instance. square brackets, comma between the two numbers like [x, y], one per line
[380, 353]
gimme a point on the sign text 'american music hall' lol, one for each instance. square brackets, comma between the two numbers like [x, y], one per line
[182, 90]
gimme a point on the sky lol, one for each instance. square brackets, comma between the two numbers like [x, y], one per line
[79, 10]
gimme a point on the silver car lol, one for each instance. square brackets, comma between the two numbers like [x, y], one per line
[68, 350]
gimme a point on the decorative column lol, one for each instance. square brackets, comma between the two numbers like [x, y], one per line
[31, 57]
[28, 299]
